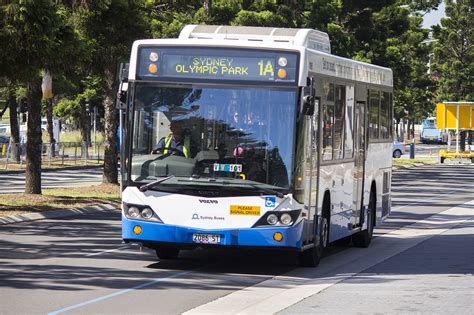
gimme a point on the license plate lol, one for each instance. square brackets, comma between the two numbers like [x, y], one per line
[207, 238]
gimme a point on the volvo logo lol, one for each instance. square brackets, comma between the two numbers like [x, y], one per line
[208, 201]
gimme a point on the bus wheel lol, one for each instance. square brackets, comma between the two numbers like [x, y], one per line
[165, 252]
[311, 257]
[363, 238]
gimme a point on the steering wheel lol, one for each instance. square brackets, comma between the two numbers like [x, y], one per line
[171, 151]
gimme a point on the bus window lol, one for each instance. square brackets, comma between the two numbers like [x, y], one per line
[340, 99]
[374, 114]
[328, 121]
[349, 123]
[385, 115]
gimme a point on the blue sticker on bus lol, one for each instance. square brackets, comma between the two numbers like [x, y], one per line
[270, 201]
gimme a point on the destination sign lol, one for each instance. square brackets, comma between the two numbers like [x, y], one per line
[160, 63]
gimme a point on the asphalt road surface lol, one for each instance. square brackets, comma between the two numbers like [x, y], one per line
[15, 182]
[421, 261]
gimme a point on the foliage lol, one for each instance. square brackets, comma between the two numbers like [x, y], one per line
[454, 53]
[82, 42]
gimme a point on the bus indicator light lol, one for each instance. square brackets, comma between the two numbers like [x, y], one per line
[282, 62]
[278, 236]
[137, 230]
[152, 68]
[153, 56]
[281, 73]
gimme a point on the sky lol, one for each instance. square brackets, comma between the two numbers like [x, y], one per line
[434, 17]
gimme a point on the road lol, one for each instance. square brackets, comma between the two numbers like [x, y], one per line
[427, 151]
[421, 260]
[15, 182]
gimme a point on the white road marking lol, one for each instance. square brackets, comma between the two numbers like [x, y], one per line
[278, 293]
[439, 196]
[108, 251]
[106, 297]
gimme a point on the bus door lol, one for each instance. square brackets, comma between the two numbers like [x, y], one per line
[359, 163]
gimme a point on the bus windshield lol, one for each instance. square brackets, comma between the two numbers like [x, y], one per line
[227, 137]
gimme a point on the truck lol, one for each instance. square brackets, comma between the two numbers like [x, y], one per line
[430, 134]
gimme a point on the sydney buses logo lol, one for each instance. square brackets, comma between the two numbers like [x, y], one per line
[206, 217]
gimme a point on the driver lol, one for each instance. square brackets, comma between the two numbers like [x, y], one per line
[175, 140]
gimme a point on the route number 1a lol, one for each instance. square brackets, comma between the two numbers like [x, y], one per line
[266, 69]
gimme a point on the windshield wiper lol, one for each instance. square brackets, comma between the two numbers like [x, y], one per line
[154, 183]
[229, 182]
[268, 190]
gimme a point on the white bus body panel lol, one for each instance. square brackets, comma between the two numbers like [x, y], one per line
[205, 213]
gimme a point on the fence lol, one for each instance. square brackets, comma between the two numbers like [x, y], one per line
[12, 155]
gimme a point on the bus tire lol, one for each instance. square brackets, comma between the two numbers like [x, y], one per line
[311, 257]
[363, 238]
[166, 252]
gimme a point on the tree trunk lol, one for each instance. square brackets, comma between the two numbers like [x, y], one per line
[85, 130]
[111, 124]
[408, 129]
[462, 141]
[49, 118]
[14, 127]
[33, 142]
[208, 7]
[397, 125]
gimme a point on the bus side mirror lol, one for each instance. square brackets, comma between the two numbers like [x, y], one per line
[308, 98]
[308, 105]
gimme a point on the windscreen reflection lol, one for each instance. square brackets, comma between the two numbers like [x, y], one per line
[213, 132]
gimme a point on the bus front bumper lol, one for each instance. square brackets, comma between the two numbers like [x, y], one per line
[151, 232]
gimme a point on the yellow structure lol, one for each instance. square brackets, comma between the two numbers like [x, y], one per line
[455, 116]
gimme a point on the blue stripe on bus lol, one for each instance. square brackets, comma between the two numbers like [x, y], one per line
[260, 237]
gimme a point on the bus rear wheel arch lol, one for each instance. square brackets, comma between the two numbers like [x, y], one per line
[363, 238]
[311, 257]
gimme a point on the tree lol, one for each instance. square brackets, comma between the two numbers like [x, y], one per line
[454, 53]
[110, 27]
[33, 33]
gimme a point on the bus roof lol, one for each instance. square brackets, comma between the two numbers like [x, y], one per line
[313, 45]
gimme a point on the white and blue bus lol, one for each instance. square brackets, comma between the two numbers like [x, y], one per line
[283, 145]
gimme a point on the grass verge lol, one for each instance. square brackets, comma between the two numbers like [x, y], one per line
[55, 199]
[401, 162]
[56, 163]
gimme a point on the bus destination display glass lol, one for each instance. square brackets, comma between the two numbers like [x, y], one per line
[160, 63]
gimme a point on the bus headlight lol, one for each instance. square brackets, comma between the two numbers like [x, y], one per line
[272, 219]
[133, 212]
[147, 213]
[279, 218]
[285, 219]
[140, 212]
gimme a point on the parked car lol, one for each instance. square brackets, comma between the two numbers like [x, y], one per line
[397, 149]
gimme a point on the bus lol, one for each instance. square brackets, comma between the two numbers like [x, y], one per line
[430, 133]
[288, 147]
